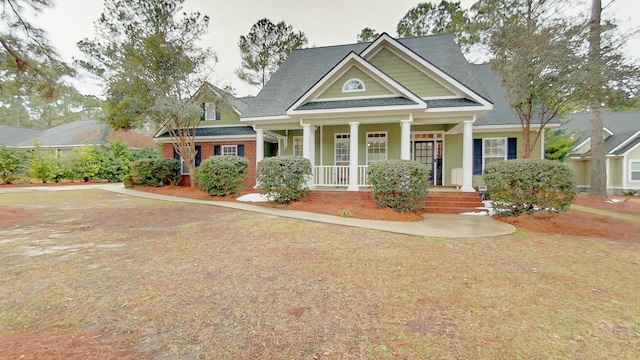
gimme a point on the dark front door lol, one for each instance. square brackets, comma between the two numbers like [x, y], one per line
[429, 153]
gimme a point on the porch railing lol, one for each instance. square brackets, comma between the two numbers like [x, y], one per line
[337, 175]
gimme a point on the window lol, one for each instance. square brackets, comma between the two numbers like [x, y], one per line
[486, 151]
[353, 85]
[341, 144]
[634, 172]
[297, 146]
[230, 150]
[210, 112]
[184, 169]
[376, 147]
[493, 150]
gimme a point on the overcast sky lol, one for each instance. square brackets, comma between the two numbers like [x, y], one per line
[325, 22]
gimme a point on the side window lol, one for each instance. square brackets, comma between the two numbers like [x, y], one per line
[297, 146]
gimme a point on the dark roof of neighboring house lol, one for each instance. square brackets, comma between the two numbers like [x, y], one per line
[218, 131]
[14, 135]
[71, 134]
[305, 67]
[623, 125]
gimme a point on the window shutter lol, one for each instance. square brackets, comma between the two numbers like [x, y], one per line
[216, 150]
[240, 150]
[203, 111]
[477, 156]
[217, 115]
[512, 148]
[198, 155]
[175, 154]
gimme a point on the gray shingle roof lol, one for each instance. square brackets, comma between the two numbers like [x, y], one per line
[623, 124]
[445, 103]
[219, 131]
[355, 103]
[14, 135]
[305, 67]
[74, 133]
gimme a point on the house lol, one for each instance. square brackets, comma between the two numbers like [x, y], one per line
[345, 107]
[64, 138]
[621, 132]
[221, 132]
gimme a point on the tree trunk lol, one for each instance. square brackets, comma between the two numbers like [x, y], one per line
[598, 168]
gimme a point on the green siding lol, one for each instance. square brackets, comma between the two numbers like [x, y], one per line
[409, 76]
[372, 87]
[615, 172]
[578, 170]
[393, 141]
[228, 116]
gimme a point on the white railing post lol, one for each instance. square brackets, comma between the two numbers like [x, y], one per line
[467, 157]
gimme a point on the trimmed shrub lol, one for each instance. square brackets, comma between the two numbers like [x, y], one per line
[523, 185]
[222, 175]
[82, 164]
[284, 178]
[14, 164]
[401, 185]
[155, 172]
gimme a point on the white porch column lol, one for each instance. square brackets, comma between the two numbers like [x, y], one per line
[312, 145]
[306, 141]
[467, 157]
[307, 151]
[259, 145]
[353, 157]
[405, 139]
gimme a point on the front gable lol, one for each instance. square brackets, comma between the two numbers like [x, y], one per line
[371, 86]
[422, 82]
[380, 91]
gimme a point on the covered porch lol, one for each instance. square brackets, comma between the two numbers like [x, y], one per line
[341, 150]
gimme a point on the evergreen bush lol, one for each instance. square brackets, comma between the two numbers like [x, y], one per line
[222, 175]
[155, 172]
[401, 185]
[523, 185]
[284, 178]
[14, 164]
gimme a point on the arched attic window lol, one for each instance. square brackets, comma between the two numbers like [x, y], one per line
[353, 85]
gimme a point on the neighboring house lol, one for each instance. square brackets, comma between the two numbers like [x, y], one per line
[64, 138]
[220, 132]
[621, 132]
[345, 107]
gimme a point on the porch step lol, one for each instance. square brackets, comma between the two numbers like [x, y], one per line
[437, 202]
[452, 202]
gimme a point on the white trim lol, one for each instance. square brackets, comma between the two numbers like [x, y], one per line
[607, 130]
[361, 110]
[202, 139]
[341, 68]
[293, 147]
[266, 118]
[397, 45]
[345, 139]
[358, 89]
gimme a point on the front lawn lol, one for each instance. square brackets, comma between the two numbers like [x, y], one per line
[95, 275]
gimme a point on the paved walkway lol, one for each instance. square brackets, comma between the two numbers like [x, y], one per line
[435, 225]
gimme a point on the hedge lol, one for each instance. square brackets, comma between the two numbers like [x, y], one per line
[222, 175]
[284, 178]
[401, 185]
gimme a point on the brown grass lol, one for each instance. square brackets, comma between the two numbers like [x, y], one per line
[121, 277]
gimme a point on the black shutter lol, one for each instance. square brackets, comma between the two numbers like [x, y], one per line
[203, 111]
[216, 150]
[240, 150]
[198, 155]
[217, 115]
[477, 156]
[175, 154]
[512, 148]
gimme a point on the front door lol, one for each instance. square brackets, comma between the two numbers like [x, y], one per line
[429, 153]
